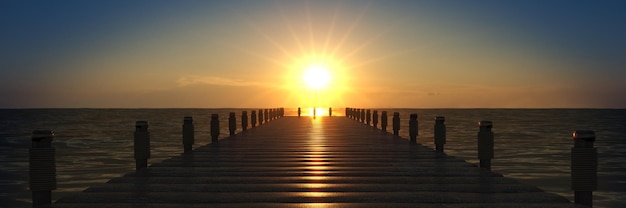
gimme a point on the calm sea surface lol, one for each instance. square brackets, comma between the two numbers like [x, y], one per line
[95, 145]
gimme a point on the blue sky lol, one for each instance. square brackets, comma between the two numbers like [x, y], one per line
[434, 54]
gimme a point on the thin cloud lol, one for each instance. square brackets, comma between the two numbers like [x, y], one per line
[214, 80]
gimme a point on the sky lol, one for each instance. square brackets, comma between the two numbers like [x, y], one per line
[236, 53]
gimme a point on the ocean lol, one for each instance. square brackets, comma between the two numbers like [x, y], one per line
[95, 145]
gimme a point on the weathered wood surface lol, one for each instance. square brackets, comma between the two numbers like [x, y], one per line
[306, 162]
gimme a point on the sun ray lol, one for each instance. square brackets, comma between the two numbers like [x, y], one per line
[290, 28]
[331, 31]
[350, 30]
[282, 49]
[311, 36]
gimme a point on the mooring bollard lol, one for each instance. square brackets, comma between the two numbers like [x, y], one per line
[253, 118]
[485, 144]
[440, 133]
[215, 127]
[368, 116]
[584, 167]
[260, 116]
[42, 168]
[188, 134]
[375, 119]
[142, 145]
[413, 127]
[266, 115]
[396, 123]
[330, 112]
[383, 121]
[232, 123]
[244, 120]
[299, 111]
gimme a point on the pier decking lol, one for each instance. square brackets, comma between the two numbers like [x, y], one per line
[306, 162]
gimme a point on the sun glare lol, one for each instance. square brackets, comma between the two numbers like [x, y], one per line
[316, 77]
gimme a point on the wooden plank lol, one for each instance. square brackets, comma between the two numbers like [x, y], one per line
[305, 162]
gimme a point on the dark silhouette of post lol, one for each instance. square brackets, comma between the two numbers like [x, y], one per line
[299, 111]
[330, 112]
[260, 116]
[584, 169]
[253, 118]
[440, 133]
[142, 145]
[383, 121]
[188, 134]
[485, 144]
[375, 119]
[215, 127]
[266, 115]
[347, 112]
[42, 168]
[396, 123]
[314, 112]
[413, 128]
[362, 116]
[368, 116]
[244, 120]
[232, 123]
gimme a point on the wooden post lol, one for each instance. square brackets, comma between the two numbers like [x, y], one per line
[314, 112]
[260, 116]
[188, 134]
[253, 118]
[368, 116]
[142, 145]
[244, 120]
[347, 112]
[440, 133]
[485, 144]
[232, 123]
[330, 112]
[413, 128]
[375, 119]
[299, 111]
[383, 121]
[42, 168]
[362, 116]
[266, 115]
[396, 123]
[584, 167]
[215, 128]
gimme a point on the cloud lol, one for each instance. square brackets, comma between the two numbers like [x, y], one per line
[218, 81]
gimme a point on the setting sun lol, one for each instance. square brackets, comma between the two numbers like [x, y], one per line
[316, 77]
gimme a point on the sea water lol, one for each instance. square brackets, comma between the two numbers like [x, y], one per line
[95, 145]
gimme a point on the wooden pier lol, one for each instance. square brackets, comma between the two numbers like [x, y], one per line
[307, 162]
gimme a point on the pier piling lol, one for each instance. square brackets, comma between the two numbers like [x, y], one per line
[232, 123]
[396, 123]
[375, 119]
[244, 120]
[440, 133]
[142, 145]
[383, 121]
[330, 112]
[299, 111]
[42, 168]
[368, 116]
[413, 128]
[188, 134]
[584, 167]
[215, 127]
[253, 118]
[485, 144]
